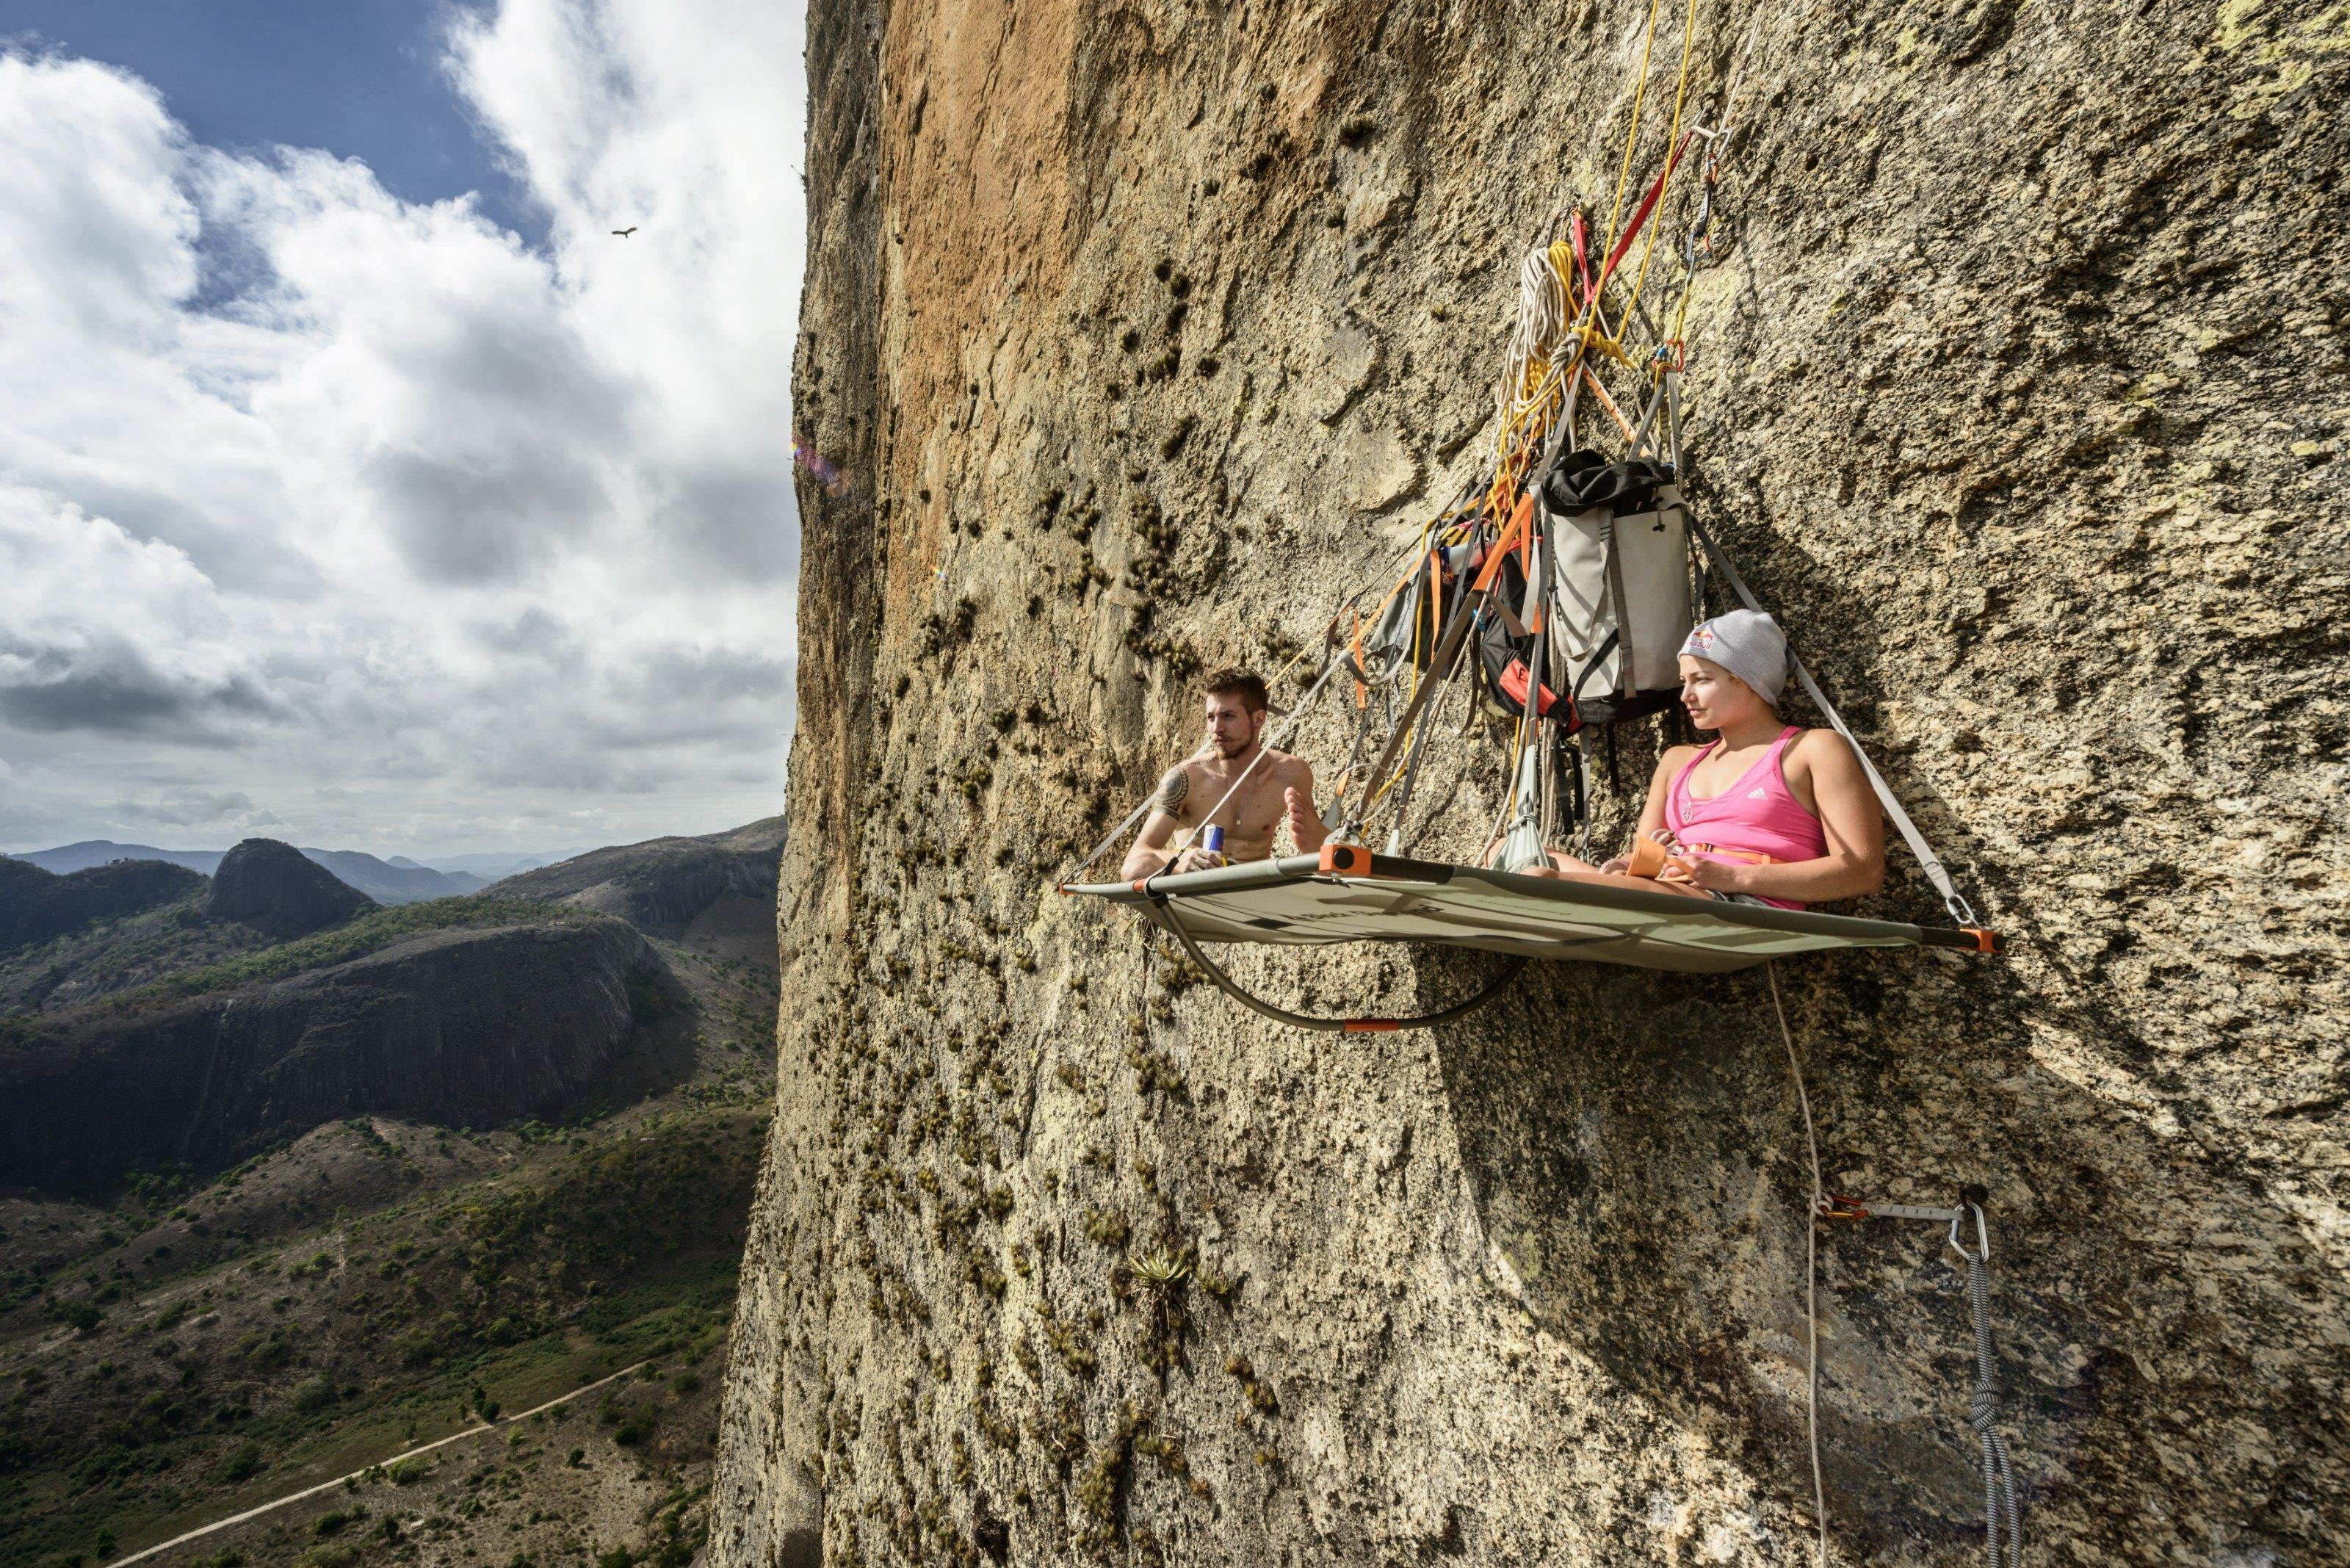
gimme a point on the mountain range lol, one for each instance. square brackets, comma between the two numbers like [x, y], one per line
[300, 1131]
[399, 880]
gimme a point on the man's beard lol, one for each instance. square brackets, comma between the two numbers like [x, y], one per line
[1230, 750]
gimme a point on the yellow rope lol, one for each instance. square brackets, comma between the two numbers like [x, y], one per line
[1672, 140]
[1632, 135]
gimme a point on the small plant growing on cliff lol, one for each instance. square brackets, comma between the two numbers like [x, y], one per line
[1160, 1270]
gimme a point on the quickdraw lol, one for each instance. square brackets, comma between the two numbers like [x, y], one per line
[2002, 1535]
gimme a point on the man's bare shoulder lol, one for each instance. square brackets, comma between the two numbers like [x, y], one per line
[1287, 768]
[1177, 786]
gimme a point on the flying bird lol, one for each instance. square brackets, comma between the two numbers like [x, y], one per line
[624, 234]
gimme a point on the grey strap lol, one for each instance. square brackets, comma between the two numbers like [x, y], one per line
[1137, 814]
[2003, 1531]
[1952, 899]
[1624, 672]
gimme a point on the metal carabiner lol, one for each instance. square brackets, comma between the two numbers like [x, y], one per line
[1981, 1254]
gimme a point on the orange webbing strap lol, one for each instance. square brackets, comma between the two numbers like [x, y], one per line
[1606, 402]
[1354, 647]
[1520, 530]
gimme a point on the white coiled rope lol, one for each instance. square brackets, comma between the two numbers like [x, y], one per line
[1540, 326]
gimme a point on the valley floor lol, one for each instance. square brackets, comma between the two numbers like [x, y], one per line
[186, 1349]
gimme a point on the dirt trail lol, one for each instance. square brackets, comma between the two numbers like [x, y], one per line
[292, 1497]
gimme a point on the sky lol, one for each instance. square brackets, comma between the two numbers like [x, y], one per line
[357, 486]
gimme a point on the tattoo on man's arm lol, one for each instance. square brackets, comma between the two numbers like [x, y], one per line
[1172, 789]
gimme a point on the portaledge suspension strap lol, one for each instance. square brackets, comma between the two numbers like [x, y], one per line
[1936, 872]
[1343, 661]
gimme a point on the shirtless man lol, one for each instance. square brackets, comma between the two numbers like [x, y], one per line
[1233, 705]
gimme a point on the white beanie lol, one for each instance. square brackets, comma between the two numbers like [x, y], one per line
[1747, 643]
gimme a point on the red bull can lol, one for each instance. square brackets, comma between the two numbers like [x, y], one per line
[1211, 840]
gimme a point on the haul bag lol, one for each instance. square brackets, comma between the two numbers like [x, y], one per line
[1623, 587]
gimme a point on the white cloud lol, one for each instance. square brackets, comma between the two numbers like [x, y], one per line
[366, 511]
[159, 656]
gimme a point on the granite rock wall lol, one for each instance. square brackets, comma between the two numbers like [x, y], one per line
[1134, 335]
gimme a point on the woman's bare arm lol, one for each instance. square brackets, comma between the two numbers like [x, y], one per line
[1652, 810]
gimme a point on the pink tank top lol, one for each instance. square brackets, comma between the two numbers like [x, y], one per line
[1758, 814]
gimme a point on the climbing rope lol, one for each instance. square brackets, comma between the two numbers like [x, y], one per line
[2004, 1537]
[1632, 133]
[1675, 145]
[1811, 1266]
[1999, 1479]
[1561, 336]
[1232, 987]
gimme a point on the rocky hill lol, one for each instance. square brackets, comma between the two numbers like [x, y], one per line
[464, 1028]
[37, 906]
[1133, 337]
[84, 854]
[661, 883]
[275, 888]
[274, 1210]
[398, 880]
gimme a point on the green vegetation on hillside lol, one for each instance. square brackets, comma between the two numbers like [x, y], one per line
[269, 1371]
[183, 1344]
[368, 933]
[136, 962]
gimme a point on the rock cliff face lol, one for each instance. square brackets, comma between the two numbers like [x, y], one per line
[462, 1028]
[275, 888]
[1133, 335]
[35, 906]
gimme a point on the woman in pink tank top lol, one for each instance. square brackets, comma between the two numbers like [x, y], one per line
[1768, 813]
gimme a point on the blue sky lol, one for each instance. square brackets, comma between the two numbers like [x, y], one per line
[356, 513]
[361, 78]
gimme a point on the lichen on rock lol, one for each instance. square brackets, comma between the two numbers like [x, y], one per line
[2016, 382]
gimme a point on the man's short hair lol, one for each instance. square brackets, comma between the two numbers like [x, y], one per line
[1245, 684]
